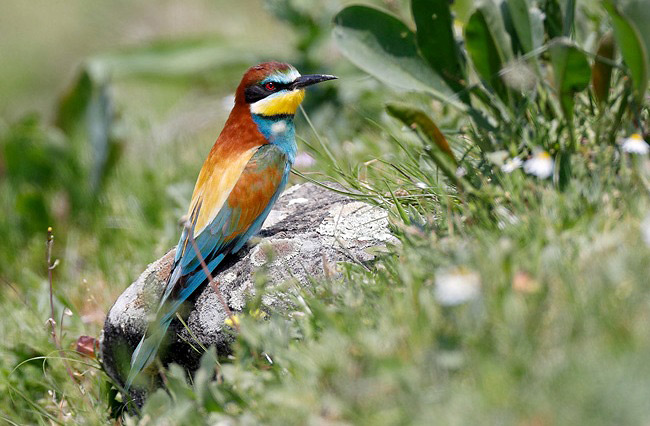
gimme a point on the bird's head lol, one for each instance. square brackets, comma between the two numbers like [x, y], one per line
[274, 88]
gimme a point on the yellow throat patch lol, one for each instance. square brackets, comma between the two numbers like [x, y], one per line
[279, 103]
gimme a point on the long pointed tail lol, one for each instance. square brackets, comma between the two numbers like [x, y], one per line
[146, 350]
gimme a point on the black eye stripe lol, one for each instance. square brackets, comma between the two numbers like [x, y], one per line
[256, 92]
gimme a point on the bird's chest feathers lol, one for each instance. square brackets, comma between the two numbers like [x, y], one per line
[278, 130]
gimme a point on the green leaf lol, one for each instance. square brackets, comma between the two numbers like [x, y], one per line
[536, 27]
[439, 151]
[521, 22]
[529, 24]
[435, 38]
[73, 103]
[99, 121]
[553, 22]
[86, 114]
[462, 9]
[562, 173]
[384, 47]
[571, 71]
[569, 17]
[416, 118]
[488, 44]
[638, 12]
[157, 403]
[632, 47]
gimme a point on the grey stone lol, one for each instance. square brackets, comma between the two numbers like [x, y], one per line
[309, 232]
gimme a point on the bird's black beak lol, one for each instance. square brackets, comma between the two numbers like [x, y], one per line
[308, 80]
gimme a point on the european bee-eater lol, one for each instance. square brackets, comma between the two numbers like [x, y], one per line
[245, 172]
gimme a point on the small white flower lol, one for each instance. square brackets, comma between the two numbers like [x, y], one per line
[634, 144]
[540, 164]
[278, 127]
[456, 286]
[511, 165]
[460, 172]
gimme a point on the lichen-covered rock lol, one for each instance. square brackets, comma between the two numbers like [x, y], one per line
[308, 233]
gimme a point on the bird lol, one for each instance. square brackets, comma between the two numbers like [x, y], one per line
[242, 177]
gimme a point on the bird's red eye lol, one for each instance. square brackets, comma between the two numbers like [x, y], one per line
[269, 86]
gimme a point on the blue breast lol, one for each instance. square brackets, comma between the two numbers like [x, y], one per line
[278, 130]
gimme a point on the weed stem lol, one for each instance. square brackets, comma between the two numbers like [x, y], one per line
[50, 277]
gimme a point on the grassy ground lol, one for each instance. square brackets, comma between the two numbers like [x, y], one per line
[547, 322]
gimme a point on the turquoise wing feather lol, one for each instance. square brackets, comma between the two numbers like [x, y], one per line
[241, 217]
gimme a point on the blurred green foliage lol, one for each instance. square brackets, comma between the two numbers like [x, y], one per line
[41, 180]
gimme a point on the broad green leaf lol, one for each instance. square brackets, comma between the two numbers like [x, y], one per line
[632, 48]
[86, 114]
[559, 17]
[435, 38]
[488, 45]
[521, 21]
[569, 16]
[571, 71]
[601, 72]
[536, 27]
[384, 47]
[99, 122]
[73, 103]
[528, 22]
[638, 12]
[553, 22]
[508, 25]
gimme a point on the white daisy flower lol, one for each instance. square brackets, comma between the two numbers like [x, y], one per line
[456, 286]
[540, 164]
[511, 165]
[634, 144]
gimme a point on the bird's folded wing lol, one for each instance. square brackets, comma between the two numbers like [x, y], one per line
[239, 217]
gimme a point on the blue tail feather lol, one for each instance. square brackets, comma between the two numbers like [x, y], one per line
[145, 352]
[147, 349]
